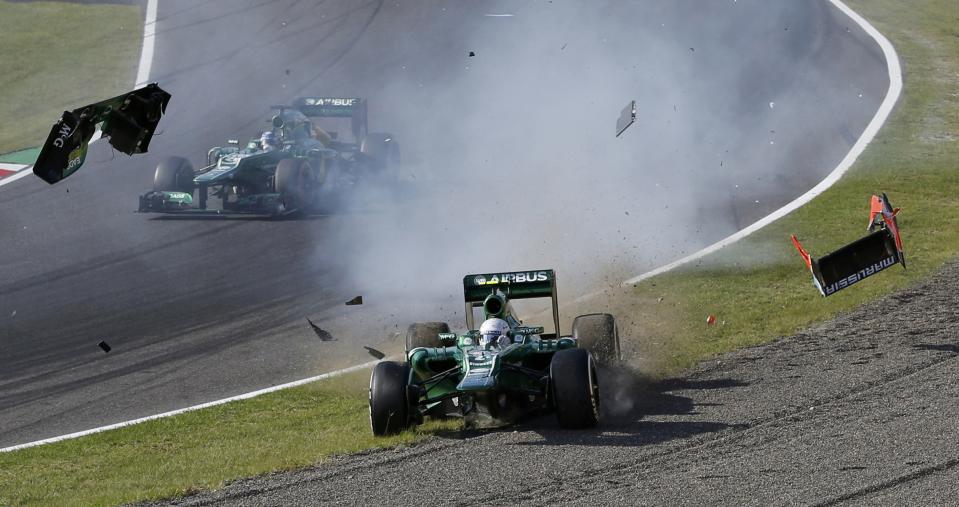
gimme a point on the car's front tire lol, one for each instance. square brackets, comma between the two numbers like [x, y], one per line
[575, 388]
[389, 408]
[425, 334]
[174, 174]
[598, 333]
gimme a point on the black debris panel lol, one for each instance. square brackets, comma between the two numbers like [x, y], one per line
[375, 353]
[320, 333]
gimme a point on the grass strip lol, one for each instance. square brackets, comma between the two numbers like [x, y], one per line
[759, 287]
[58, 56]
[199, 450]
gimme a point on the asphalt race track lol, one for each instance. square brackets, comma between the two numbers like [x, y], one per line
[753, 101]
[857, 411]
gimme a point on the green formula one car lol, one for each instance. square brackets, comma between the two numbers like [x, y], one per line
[501, 371]
[296, 166]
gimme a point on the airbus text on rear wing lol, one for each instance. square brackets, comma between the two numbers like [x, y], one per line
[336, 107]
[514, 285]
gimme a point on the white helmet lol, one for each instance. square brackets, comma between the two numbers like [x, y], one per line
[493, 333]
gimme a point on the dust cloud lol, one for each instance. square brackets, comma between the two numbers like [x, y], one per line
[510, 159]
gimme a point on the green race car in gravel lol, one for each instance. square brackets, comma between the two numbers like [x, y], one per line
[500, 371]
[294, 167]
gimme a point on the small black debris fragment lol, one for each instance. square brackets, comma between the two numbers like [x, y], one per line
[472, 53]
[562, 48]
[358, 300]
[321, 334]
[375, 353]
[103, 345]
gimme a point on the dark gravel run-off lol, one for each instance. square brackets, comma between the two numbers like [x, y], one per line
[859, 410]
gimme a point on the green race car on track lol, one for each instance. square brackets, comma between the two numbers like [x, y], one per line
[502, 370]
[296, 166]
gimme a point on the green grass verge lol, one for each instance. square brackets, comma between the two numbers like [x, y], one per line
[759, 288]
[58, 56]
[199, 450]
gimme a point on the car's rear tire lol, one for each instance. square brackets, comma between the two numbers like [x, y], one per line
[383, 149]
[293, 182]
[597, 333]
[424, 334]
[389, 408]
[175, 174]
[575, 388]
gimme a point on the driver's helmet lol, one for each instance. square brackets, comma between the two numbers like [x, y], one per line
[268, 141]
[493, 334]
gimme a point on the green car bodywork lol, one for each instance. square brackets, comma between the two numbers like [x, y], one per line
[460, 375]
[467, 368]
[308, 169]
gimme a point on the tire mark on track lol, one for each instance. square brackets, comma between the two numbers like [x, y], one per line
[902, 479]
[107, 260]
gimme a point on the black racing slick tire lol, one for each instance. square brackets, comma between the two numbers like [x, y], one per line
[575, 388]
[597, 333]
[389, 408]
[293, 181]
[175, 174]
[383, 149]
[425, 334]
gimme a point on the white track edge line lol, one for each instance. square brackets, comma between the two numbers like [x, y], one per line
[885, 108]
[149, 37]
[238, 397]
[14, 177]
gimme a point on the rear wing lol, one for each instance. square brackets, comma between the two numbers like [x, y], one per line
[334, 107]
[514, 285]
[862, 258]
[127, 121]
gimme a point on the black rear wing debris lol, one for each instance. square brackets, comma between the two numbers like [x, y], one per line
[128, 121]
[880, 249]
